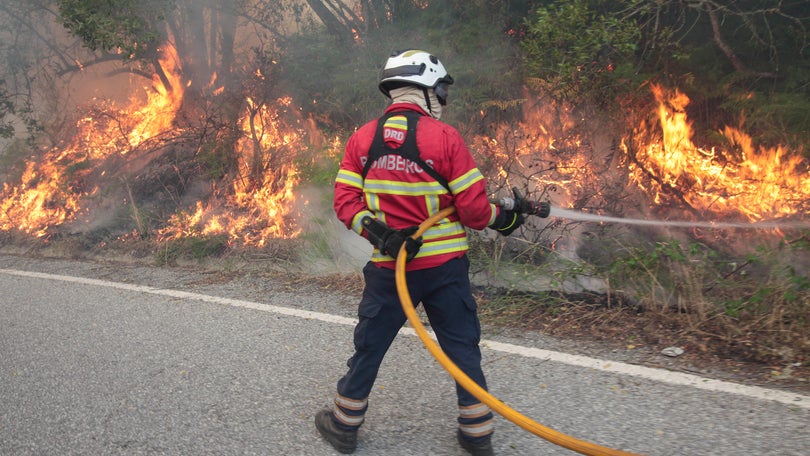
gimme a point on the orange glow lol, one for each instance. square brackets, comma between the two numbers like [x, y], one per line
[158, 114]
[542, 148]
[258, 208]
[253, 209]
[51, 188]
[556, 154]
[757, 182]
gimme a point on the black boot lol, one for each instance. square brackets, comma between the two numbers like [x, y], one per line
[476, 449]
[343, 441]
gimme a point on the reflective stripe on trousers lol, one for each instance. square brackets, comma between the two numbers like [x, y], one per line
[446, 296]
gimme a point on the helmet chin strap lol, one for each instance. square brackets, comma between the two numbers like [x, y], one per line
[435, 114]
[427, 100]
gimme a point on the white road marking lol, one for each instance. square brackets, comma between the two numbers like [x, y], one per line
[659, 375]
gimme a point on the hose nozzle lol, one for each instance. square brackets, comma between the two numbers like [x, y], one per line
[524, 206]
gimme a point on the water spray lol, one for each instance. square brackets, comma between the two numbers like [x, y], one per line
[585, 217]
[544, 209]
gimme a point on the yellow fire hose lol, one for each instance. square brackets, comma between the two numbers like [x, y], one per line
[466, 382]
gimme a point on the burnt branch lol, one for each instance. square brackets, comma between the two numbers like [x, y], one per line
[79, 66]
[161, 74]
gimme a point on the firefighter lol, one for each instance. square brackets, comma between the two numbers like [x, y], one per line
[396, 172]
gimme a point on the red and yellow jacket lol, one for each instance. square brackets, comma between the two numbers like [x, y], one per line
[399, 193]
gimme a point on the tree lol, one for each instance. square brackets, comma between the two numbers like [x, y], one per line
[740, 30]
[136, 29]
[128, 27]
[347, 23]
[29, 49]
[578, 52]
[204, 35]
[6, 110]
[734, 56]
[750, 57]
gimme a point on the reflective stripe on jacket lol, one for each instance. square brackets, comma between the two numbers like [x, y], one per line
[399, 193]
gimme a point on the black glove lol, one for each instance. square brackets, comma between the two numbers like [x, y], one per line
[389, 241]
[394, 242]
[507, 221]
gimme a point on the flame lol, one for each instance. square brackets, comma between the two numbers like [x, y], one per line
[757, 182]
[51, 187]
[258, 207]
[36, 203]
[542, 149]
[545, 153]
[253, 209]
[157, 115]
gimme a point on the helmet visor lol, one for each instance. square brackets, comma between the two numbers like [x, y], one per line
[441, 91]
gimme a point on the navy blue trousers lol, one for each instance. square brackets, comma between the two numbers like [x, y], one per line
[447, 299]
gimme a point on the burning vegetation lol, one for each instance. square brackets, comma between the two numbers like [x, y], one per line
[253, 201]
[219, 143]
[54, 187]
[256, 207]
[111, 144]
[758, 183]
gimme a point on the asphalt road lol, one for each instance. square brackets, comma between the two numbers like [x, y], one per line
[113, 359]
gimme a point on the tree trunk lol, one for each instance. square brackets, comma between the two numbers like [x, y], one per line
[339, 30]
[227, 30]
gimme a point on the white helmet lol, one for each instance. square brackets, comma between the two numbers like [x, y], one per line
[417, 68]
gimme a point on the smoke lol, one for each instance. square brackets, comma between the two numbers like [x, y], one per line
[331, 247]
